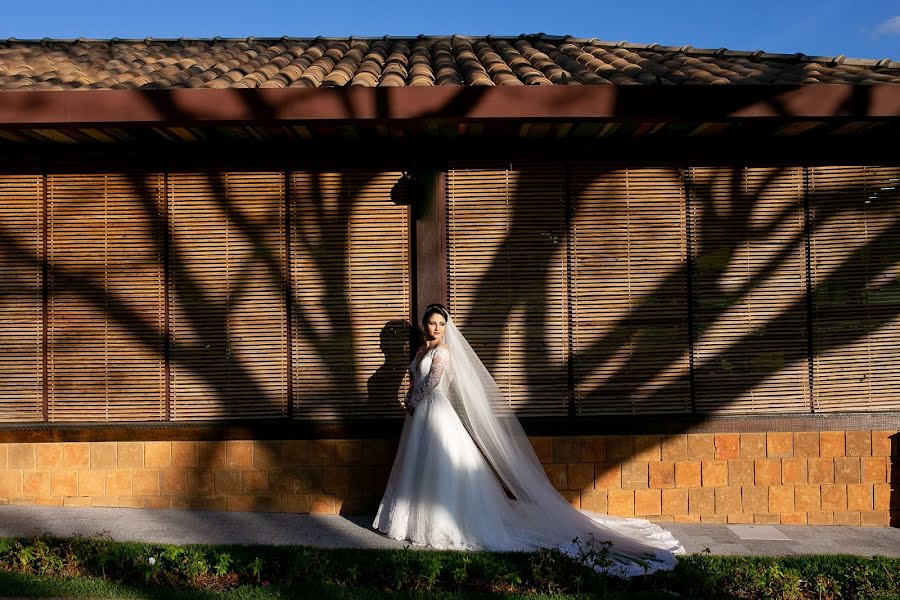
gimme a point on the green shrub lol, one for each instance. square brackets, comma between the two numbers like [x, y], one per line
[548, 572]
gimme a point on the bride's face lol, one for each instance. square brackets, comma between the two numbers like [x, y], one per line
[434, 327]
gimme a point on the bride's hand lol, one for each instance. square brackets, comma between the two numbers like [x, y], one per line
[407, 404]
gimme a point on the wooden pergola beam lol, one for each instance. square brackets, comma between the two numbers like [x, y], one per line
[197, 107]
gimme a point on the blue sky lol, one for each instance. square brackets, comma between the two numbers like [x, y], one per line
[861, 29]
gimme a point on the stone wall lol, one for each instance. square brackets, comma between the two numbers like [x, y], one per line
[816, 478]
[821, 478]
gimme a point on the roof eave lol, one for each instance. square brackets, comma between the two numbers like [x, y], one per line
[197, 107]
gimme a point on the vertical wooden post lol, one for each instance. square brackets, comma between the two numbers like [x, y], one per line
[429, 240]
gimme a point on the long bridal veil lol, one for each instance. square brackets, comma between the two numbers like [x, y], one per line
[544, 518]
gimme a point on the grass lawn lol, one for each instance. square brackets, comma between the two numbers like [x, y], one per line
[99, 568]
[83, 587]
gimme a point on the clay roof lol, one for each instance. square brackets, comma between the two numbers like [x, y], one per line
[423, 61]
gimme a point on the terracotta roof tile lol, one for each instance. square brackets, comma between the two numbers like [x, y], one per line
[422, 61]
[419, 66]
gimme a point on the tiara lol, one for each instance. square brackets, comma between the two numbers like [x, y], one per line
[438, 307]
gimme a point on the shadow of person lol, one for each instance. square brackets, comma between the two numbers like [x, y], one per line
[385, 383]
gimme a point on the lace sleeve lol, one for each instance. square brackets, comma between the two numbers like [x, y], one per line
[428, 383]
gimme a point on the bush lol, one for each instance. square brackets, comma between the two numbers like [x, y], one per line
[219, 568]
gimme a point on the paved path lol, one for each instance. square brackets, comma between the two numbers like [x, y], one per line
[199, 527]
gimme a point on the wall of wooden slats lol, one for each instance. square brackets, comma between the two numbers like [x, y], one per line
[587, 290]
[227, 315]
[350, 271]
[106, 291]
[21, 273]
[855, 267]
[507, 277]
[749, 289]
[629, 291]
[741, 337]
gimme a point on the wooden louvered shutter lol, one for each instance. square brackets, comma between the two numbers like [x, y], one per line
[21, 327]
[507, 278]
[855, 267]
[227, 289]
[106, 297]
[351, 295]
[749, 284]
[629, 291]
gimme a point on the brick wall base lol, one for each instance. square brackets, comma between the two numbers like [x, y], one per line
[816, 478]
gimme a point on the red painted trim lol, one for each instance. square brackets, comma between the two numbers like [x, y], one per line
[646, 103]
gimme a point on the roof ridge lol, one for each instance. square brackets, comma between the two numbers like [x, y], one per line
[755, 54]
[839, 59]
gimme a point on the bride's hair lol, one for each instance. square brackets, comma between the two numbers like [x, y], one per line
[435, 309]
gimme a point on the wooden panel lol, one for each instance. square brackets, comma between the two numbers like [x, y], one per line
[629, 291]
[106, 290]
[227, 315]
[507, 277]
[855, 265]
[749, 286]
[21, 328]
[351, 295]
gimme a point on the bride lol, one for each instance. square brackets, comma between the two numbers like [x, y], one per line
[466, 477]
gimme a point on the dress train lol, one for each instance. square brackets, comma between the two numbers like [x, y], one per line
[443, 493]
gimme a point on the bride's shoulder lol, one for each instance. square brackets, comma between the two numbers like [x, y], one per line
[443, 348]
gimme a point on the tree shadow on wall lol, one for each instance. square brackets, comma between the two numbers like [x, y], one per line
[209, 354]
[743, 261]
[217, 261]
[207, 344]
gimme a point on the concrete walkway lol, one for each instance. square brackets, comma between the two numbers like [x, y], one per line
[201, 527]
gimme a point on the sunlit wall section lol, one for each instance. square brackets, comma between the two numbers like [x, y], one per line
[227, 286]
[629, 290]
[106, 297]
[749, 289]
[350, 287]
[506, 256]
[855, 266]
[21, 324]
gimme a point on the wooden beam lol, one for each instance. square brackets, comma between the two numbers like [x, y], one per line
[184, 107]
[430, 232]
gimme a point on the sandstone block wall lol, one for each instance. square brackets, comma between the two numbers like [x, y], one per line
[816, 478]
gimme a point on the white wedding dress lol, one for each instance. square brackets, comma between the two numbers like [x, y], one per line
[444, 489]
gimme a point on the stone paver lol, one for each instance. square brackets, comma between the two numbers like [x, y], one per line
[196, 527]
[804, 539]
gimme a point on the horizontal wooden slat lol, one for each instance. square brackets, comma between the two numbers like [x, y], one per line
[749, 286]
[507, 277]
[351, 295]
[855, 266]
[106, 297]
[227, 295]
[629, 290]
[21, 328]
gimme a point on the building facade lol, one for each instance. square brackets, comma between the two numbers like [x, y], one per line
[682, 267]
